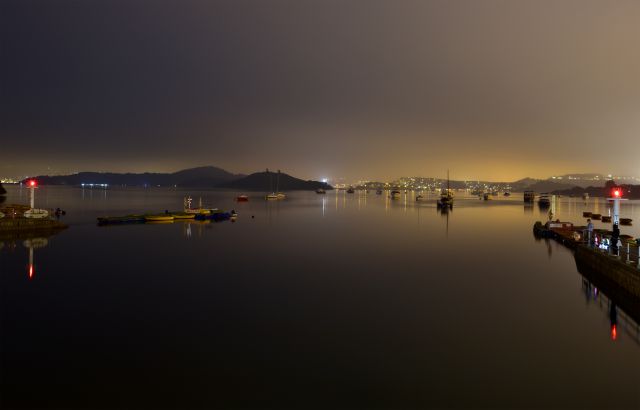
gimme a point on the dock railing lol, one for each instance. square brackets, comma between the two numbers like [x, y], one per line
[628, 252]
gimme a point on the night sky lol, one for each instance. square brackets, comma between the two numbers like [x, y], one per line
[357, 89]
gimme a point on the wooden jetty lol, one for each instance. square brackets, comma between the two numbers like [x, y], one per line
[11, 228]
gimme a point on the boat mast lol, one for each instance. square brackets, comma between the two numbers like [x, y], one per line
[278, 182]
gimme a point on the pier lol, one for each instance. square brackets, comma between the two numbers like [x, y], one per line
[597, 258]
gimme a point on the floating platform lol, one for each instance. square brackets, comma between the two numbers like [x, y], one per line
[13, 225]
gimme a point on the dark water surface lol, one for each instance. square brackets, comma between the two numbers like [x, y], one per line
[342, 300]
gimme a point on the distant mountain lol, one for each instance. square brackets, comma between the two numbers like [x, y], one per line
[270, 181]
[193, 177]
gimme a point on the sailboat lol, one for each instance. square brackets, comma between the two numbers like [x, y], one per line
[274, 195]
[446, 196]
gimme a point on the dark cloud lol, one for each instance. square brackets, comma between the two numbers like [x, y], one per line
[497, 89]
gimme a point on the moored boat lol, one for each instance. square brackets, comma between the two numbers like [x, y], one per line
[159, 218]
[242, 198]
[626, 221]
[182, 215]
[544, 200]
[350, 191]
[320, 191]
[395, 194]
[586, 214]
[606, 218]
[35, 213]
[486, 196]
[529, 196]
[271, 197]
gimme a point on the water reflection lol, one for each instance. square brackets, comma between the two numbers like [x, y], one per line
[30, 241]
[619, 319]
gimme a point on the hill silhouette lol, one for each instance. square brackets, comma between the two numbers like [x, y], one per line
[207, 176]
[2, 190]
[271, 181]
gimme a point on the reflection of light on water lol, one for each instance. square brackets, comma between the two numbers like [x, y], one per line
[614, 332]
[32, 244]
[324, 205]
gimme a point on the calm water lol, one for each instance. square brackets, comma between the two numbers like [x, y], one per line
[343, 300]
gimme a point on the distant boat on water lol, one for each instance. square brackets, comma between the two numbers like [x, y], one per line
[446, 196]
[320, 191]
[395, 194]
[350, 190]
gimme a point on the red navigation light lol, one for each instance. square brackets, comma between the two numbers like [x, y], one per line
[614, 332]
[32, 182]
[616, 193]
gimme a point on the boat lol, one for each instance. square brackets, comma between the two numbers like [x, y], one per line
[507, 193]
[544, 200]
[199, 210]
[586, 214]
[626, 221]
[274, 195]
[486, 196]
[529, 196]
[117, 220]
[395, 194]
[320, 191]
[242, 198]
[596, 216]
[159, 218]
[350, 190]
[420, 198]
[35, 213]
[215, 216]
[182, 215]
[585, 196]
[446, 196]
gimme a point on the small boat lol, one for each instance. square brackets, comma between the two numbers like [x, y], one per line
[242, 198]
[585, 196]
[529, 196]
[596, 216]
[271, 197]
[281, 195]
[507, 193]
[117, 220]
[182, 215]
[395, 194]
[320, 191]
[35, 213]
[216, 216]
[199, 210]
[446, 196]
[350, 191]
[626, 221]
[606, 218]
[486, 196]
[586, 214]
[544, 199]
[159, 218]
[420, 198]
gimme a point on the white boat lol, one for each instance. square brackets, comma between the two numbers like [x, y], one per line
[271, 197]
[35, 213]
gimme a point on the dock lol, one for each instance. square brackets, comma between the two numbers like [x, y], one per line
[12, 228]
[618, 268]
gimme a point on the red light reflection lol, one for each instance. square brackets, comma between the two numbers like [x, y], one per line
[614, 332]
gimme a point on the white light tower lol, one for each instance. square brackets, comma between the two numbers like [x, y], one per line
[32, 187]
[617, 197]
